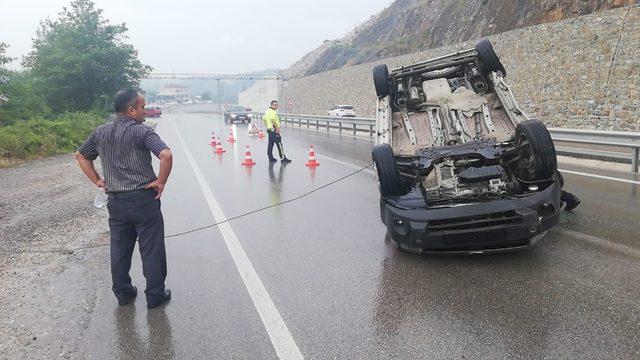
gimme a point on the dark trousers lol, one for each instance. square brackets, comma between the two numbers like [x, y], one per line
[137, 215]
[277, 140]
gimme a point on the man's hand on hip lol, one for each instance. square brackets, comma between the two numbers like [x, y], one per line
[101, 184]
[157, 186]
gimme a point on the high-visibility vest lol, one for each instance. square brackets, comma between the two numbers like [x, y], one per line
[271, 119]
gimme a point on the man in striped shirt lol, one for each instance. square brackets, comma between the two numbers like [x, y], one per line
[125, 146]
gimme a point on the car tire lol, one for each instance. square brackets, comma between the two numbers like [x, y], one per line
[488, 57]
[381, 80]
[536, 151]
[388, 175]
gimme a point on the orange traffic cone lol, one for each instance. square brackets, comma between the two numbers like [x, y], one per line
[213, 140]
[247, 158]
[219, 149]
[312, 158]
[231, 139]
[261, 134]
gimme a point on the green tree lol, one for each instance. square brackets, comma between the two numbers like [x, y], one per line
[80, 59]
[4, 78]
[206, 95]
[24, 101]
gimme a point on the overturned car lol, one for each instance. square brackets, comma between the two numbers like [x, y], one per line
[461, 168]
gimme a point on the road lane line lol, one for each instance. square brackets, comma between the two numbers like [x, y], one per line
[281, 338]
[600, 176]
[624, 249]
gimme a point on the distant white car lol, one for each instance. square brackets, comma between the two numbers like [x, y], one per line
[342, 111]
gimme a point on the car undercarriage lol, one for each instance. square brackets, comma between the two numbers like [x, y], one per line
[450, 136]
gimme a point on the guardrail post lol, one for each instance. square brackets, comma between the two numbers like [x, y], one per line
[354, 129]
[299, 122]
[307, 123]
[328, 126]
[370, 130]
[339, 127]
[634, 160]
[317, 125]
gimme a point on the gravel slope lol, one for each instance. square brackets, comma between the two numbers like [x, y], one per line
[47, 297]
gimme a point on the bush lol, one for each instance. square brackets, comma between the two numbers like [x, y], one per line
[39, 137]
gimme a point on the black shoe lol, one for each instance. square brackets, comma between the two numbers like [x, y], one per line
[572, 202]
[126, 298]
[272, 160]
[162, 299]
[285, 161]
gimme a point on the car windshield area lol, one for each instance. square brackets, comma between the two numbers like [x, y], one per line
[237, 108]
[346, 107]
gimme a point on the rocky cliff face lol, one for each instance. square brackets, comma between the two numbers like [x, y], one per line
[411, 25]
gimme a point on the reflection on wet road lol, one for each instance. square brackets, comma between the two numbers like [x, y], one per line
[344, 291]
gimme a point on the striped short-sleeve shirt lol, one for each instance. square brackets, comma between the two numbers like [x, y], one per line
[124, 146]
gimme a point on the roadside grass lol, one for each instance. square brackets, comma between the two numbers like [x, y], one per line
[40, 137]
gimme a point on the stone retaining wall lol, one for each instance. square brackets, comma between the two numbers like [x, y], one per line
[577, 73]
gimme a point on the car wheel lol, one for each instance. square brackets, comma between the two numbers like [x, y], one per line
[489, 58]
[388, 175]
[536, 151]
[381, 80]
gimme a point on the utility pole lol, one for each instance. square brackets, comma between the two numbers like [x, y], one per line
[219, 100]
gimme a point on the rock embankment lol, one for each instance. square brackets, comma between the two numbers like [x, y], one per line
[581, 72]
[411, 25]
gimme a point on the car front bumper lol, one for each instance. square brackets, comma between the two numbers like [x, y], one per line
[475, 228]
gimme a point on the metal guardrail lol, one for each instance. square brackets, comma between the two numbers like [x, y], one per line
[624, 139]
[353, 124]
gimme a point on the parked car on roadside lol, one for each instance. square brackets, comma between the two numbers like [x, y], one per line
[461, 168]
[237, 113]
[152, 111]
[342, 111]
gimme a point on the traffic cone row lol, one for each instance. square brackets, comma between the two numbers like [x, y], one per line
[312, 158]
[248, 161]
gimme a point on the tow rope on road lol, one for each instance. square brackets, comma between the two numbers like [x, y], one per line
[72, 250]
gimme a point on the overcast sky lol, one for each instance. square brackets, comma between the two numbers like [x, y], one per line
[205, 36]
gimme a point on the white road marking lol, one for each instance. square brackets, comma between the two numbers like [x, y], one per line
[600, 176]
[281, 338]
[624, 249]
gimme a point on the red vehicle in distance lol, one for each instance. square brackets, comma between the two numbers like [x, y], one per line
[152, 111]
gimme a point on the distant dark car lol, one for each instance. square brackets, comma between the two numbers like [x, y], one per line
[237, 113]
[152, 111]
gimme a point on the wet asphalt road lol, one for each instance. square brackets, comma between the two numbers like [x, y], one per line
[345, 292]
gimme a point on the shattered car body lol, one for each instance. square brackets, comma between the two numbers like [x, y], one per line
[461, 167]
